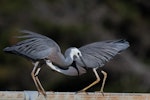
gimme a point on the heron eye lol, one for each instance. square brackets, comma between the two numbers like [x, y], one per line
[78, 53]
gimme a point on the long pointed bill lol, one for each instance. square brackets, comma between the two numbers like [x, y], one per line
[83, 61]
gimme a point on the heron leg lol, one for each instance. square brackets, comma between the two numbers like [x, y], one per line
[39, 83]
[95, 82]
[104, 79]
[33, 76]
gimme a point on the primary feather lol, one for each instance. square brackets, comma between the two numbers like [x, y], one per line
[98, 53]
[34, 47]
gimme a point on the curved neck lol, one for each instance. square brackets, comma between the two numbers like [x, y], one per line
[71, 71]
[60, 60]
[68, 60]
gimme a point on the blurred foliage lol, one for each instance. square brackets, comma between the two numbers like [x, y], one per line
[76, 23]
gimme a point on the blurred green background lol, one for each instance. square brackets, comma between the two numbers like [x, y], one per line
[76, 23]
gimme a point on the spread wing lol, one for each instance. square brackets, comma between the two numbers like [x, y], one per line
[98, 53]
[35, 46]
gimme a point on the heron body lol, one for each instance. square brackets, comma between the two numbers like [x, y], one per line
[43, 50]
[94, 55]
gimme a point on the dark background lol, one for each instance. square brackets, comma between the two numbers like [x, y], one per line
[76, 23]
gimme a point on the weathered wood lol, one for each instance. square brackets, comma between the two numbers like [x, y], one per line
[11, 95]
[33, 95]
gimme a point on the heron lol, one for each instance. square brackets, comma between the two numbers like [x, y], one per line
[42, 50]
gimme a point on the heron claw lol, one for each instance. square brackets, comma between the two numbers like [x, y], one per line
[38, 93]
[82, 91]
[43, 93]
[101, 91]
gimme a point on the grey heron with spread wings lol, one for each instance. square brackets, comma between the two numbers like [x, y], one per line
[43, 50]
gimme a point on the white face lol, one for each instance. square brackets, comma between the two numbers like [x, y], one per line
[75, 53]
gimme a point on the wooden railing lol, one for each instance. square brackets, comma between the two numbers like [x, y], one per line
[33, 95]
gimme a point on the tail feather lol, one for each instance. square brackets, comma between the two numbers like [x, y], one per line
[122, 44]
[7, 49]
[11, 50]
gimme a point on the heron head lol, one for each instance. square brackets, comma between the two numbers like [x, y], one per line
[74, 53]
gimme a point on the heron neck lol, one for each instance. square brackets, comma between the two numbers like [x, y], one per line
[62, 61]
[71, 71]
[68, 60]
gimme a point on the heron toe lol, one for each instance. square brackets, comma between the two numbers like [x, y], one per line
[82, 91]
[102, 92]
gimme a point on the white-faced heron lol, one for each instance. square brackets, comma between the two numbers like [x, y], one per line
[43, 50]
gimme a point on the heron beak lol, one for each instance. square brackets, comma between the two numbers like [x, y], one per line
[82, 60]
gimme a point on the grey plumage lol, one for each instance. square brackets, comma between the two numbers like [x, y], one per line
[35, 47]
[38, 47]
[98, 53]
[94, 55]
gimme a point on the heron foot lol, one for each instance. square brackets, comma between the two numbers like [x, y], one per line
[52, 91]
[82, 91]
[43, 93]
[101, 91]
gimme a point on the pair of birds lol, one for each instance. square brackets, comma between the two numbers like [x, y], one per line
[42, 50]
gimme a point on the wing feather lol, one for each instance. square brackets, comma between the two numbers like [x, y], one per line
[35, 46]
[98, 53]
